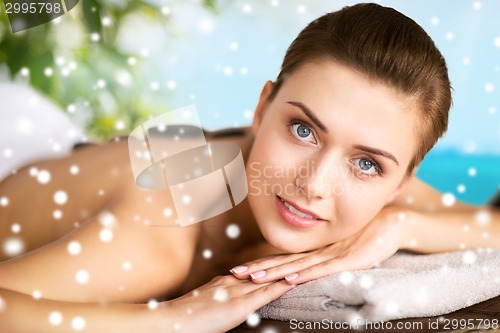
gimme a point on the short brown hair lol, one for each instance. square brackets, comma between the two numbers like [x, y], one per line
[388, 47]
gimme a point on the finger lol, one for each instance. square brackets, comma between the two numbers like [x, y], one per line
[231, 286]
[244, 271]
[287, 270]
[266, 293]
[329, 267]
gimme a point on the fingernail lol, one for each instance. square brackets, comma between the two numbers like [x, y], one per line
[291, 277]
[258, 275]
[238, 269]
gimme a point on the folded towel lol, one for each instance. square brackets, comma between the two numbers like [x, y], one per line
[406, 285]
[32, 128]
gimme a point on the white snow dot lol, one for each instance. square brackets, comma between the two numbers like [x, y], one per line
[74, 248]
[48, 71]
[120, 125]
[33, 171]
[171, 84]
[101, 83]
[301, 9]
[152, 304]
[469, 257]
[106, 21]
[165, 10]
[472, 172]
[434, 20]
[449, 36]
[132, 61]
[78, 323]
[448, 199]
[13, 246]
[15, 228]
[186, 199]
[60, 197]
[496, 42]
[477, 5]
[466, 60]
[43, 176]
[233, 46]
[483, 217]
[243, 70]
[206, 25]
[55, 318]
[74, 169]
[167, 212]
[95, 37]
[57, 214]
[221, 294]
[392, 307]
[346, 278]
[60, 61]
[253, 320]
[106, 235]
[248, 114]
[25, 71]
[207, 254]
[7, 153]
[107, 219]
[492, 110]
[228, 71]
[247, 8]
[233, 231]
[154, 85]
[489, 87]
[82, 276]
[127, 266]
[461, 188]
[4, 201]
[366, 282]
[37, 294]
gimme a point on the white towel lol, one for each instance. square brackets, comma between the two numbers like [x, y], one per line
[404, 286]
[32, 128]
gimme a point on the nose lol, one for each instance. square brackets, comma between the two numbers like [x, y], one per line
[320, 179]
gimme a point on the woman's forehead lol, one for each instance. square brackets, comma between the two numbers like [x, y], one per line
[351, 106]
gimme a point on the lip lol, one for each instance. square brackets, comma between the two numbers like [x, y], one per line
[294, 219]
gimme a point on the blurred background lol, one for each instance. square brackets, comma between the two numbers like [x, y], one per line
[111, 64]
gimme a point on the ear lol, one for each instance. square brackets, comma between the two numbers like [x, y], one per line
[401, 186]
[261, 106]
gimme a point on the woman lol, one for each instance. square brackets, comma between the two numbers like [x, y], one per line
[363, 94]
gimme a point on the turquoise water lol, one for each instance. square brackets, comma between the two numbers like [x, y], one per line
[451, 171]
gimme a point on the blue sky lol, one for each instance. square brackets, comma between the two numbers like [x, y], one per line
[220, 62]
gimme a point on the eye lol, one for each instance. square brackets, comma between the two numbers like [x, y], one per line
[367, 166]
[302, 132]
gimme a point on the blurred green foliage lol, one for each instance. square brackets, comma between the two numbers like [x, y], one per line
[73, 75]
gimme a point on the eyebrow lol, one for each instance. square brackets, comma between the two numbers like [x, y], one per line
[310, 115]
[322, 126]
[377, 152]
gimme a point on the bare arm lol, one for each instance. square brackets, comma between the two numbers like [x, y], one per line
[430, 226]
[417, 220]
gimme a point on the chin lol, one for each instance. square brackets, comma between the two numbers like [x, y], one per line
[288, 243]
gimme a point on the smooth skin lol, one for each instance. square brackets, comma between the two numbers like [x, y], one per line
[141, 261]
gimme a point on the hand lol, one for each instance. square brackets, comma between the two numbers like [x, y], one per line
[376, 242]
[222, 304]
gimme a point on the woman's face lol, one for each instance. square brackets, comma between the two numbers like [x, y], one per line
[330, 150]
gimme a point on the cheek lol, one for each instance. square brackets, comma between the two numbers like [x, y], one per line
[359, 205]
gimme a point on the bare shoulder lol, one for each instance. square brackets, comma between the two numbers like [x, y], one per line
[124, 251]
